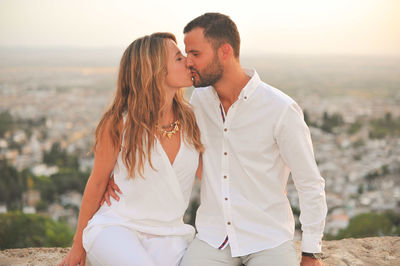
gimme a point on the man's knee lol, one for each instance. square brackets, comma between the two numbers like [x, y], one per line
[284, 254]
[192, 254]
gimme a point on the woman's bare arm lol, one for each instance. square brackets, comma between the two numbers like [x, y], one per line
[105, 157]
[199, 171]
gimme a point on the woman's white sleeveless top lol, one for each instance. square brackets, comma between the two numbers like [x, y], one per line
[154, 204]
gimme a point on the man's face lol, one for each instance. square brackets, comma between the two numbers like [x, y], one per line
[202, 60]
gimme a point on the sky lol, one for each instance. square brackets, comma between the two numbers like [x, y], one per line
[369, 27]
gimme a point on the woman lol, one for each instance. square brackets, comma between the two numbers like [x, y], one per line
[150, 141]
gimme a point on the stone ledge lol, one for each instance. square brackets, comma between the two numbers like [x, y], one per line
[360, 251]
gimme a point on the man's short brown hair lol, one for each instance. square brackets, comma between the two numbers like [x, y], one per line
[219, 29]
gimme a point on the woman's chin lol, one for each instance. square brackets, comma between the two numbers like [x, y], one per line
[188, 84]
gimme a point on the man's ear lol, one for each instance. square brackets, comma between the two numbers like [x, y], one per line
[225, 51]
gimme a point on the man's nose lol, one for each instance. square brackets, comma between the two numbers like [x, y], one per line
[189, 62]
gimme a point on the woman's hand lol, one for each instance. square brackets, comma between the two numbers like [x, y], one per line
[110, 192]
[76, 256]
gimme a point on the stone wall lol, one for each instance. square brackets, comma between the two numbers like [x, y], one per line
[362, 251]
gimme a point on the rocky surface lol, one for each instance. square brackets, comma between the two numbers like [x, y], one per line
[363, 251]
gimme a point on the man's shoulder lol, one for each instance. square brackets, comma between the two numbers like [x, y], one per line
[273, 95]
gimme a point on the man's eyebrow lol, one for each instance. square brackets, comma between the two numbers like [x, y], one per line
[193, 51]
[178, 53]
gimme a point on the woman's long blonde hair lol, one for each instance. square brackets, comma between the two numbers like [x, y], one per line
[141, 96]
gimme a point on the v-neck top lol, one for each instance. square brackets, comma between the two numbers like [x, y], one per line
[155, 203]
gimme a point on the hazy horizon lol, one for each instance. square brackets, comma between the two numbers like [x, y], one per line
[243, 53]
[363, 27]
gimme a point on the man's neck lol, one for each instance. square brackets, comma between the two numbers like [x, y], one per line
[230, 85]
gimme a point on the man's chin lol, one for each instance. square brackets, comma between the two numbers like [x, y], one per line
[198, 84]
[195, 83]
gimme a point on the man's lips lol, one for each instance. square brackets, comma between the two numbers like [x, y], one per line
[194, 73]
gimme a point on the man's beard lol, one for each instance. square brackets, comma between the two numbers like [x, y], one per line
[210, 75]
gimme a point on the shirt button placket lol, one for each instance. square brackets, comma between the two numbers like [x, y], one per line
[225, 184]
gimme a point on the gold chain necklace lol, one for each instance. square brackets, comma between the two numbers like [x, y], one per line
[169, 133]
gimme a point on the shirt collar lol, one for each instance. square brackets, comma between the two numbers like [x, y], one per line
[248, 89]
[251, 85]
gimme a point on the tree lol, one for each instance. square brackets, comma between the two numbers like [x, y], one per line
[6, 122]
[69, 179]
[47, 188]
[329, 122]
[354, 127]
[307, 119]
[58, 156]
[367, 225]
[12, 185]
[18, 230]
[386, 126]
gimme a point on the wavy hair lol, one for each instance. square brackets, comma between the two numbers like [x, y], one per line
[140, 98]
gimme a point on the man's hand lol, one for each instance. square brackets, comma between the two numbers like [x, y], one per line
[308, 261]
[110, 191]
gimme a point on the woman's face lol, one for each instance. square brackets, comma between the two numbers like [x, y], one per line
[178, 74]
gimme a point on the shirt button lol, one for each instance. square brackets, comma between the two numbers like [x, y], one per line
[226, 198]
[225, 177]
[225, 129]
[228, 223]
[225, 153]
[245, 97]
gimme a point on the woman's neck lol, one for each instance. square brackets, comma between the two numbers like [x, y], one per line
[167, 114]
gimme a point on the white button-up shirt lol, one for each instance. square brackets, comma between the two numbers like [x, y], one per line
[246, 165]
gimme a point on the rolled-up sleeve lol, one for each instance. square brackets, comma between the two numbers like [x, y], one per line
[295, 146]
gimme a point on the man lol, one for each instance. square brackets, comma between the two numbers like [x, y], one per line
[254, 136]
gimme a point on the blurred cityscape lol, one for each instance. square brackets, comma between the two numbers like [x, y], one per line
[51, 101]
